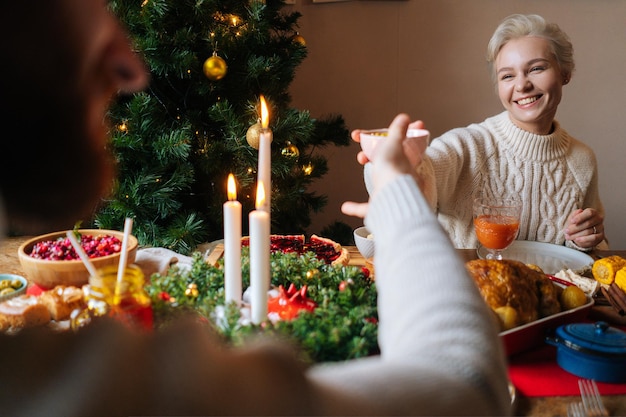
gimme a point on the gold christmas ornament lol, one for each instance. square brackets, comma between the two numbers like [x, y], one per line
[192, 290]
[290, 150]
[253, 135]
[215, 67]
[299, 39]
[312, 273]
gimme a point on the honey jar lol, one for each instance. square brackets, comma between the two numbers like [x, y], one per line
[126, 302]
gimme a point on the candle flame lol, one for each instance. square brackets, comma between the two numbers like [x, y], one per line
[260, 195]
[231, 188]
[265, 116]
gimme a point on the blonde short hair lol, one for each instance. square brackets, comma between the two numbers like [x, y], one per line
[519, 25]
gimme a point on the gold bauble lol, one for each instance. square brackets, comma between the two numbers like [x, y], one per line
[214, 68]
[312, 273]
[290, 150]
[299, 39]
[192, 290]
[253, 135]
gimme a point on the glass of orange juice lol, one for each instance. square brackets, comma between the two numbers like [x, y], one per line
[496, 222]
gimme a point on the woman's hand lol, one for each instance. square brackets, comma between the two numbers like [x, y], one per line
[389, 162]
[585, 228]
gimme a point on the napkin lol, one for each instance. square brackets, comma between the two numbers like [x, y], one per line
[159, 260]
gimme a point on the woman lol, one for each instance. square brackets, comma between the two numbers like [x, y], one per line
[522, 150]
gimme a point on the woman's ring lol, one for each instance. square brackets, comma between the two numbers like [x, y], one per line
[595, 232]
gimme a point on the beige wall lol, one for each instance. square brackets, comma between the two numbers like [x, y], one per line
[369, 60]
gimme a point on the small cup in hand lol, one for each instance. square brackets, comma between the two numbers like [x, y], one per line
[414, 144]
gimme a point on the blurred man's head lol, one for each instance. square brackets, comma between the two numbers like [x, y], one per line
[64, 61]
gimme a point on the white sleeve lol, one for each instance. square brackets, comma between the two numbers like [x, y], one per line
[424, 172]
[440, 350]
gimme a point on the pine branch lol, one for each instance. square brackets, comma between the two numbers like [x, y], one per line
[343, 326]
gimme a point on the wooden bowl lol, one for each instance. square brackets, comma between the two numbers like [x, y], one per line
[48, 274]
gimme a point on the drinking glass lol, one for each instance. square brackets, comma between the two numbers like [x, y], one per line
[496, 221]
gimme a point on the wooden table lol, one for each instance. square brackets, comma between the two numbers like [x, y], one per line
[531, 406]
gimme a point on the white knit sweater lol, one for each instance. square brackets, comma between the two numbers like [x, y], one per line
[553, 174]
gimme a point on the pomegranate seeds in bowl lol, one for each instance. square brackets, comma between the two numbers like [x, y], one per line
[49, 260]
[61, 249]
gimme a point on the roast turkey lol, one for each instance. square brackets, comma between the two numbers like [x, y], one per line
[518, 293]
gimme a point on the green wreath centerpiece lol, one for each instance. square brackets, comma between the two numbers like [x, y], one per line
[343, 325]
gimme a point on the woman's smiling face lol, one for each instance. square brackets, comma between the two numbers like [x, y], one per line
[530, 83]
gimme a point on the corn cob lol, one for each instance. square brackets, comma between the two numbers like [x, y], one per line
[620, 279]
[604, 269]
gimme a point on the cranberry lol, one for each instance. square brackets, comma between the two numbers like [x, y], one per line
[62, 249]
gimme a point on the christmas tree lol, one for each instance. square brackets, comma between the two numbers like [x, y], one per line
[198, 121]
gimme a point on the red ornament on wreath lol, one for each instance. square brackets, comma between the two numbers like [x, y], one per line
[290, 302]
[215, 67]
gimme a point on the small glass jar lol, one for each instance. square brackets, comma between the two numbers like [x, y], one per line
[129, 303]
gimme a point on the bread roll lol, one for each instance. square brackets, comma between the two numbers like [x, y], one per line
[62, 300]
[21, 312]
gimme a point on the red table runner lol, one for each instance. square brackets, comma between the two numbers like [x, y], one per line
[536, 374]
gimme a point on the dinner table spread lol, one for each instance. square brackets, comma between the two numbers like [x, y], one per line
[540, 387]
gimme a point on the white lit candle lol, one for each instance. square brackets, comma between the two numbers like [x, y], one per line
[265, 156]
[259, 258]
[232, 244]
